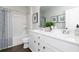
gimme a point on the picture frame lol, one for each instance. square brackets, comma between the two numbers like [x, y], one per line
[61, 18]
[54, 18]
[35, 18]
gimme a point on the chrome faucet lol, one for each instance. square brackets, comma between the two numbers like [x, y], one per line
[66, 31]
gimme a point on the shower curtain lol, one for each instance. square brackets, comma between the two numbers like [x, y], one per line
[5, 28]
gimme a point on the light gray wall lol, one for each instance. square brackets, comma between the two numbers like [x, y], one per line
[31, 10]
[36, 9]
[29, 20]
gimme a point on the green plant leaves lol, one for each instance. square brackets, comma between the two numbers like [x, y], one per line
[49, 24]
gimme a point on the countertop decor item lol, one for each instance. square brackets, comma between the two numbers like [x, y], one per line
[48, 25]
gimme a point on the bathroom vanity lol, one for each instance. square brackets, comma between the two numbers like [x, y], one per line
[54, 41]
[57, 40]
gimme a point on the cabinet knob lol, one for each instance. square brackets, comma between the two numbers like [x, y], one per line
[38, 49]
[38, 43]
[44, 47]
[34, 41]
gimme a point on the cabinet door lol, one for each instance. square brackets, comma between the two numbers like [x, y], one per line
[38, 42]
[31, 46]
[45, 47]
[50, 44]
[33, 42]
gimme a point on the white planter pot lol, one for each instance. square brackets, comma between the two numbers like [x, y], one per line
[47, 29]
[52, 27]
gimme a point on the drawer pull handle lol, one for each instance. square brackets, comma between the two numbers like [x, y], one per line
[44, 47]
[34, 41]
[38, 49]
[38, 43]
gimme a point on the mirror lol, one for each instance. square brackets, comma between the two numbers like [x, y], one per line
[56, 14]
[72, 18]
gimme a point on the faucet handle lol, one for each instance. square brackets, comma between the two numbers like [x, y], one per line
[66, 31]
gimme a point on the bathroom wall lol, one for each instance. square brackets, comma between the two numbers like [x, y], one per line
[30, 25]
[36, 9]
[29, 19]
[19, 19]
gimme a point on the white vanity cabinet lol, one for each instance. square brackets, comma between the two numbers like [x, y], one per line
[37, 43]
[43, 43]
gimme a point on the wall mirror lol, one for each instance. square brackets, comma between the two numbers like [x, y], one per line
[56, 14]
[72, 18]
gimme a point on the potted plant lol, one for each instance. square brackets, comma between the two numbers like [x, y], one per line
[48, 25]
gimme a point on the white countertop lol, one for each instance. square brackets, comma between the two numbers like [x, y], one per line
[59, 35]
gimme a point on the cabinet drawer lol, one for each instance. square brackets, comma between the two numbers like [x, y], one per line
[60, 44]
[45, 47]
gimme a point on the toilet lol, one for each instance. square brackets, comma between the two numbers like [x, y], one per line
[25, 42]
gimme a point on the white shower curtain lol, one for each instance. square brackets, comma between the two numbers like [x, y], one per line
[5, 28]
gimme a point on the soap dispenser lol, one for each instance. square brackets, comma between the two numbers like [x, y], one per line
[77, 30]
[77, 26]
